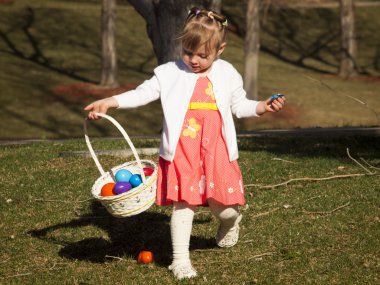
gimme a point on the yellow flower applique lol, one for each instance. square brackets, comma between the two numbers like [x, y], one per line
[192, 129]
[209, 91]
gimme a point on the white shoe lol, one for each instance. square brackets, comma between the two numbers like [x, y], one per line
[183, 270]
[228, 237]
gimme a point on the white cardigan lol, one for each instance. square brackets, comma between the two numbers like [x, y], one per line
[173, 83]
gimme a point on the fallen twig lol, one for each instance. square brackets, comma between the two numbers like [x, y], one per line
[211, 249]
[318, 179]
[306, 179]
[328, 212]
[18, 275]
[311, 198]
[370, 165]
[4, 261]
[284, 160]
[201, 212]
[260, 255]
[61, 201]
[114, 257]
[358, 163]
[239, 260]
[265, 213]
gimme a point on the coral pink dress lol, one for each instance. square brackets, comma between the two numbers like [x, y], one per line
[201, 168]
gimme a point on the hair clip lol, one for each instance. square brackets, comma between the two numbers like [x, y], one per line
[195, 12]
[225, 23]
[210, 15]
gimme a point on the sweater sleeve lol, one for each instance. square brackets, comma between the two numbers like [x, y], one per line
[241, 106]
[145, 93]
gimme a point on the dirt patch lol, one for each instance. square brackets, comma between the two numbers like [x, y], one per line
[80, 92]
[359, 78]
[287, 117]
[366, 78]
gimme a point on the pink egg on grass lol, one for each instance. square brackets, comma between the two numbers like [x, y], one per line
[121, 187]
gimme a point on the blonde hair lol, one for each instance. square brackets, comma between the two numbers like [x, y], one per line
[203, 27]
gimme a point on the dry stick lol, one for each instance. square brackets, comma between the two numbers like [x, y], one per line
[348, 96]
[18, 275]
[284, 160]
[318, 179]
[328, 212]
[265, 213]
[260, 255]
[216, 250]
[311, 198]
[306, 179]
[62, 201]
[348, 153]
[370, 165]
[239, 260]
[4, 261]
[114, 257]
[51, 200]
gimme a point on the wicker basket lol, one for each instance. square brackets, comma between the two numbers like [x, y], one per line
[136, 200]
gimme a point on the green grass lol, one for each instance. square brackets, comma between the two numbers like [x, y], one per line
[45, 46]
[321, 232]
[53, 232]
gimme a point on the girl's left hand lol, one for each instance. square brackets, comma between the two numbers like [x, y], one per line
[274, 105]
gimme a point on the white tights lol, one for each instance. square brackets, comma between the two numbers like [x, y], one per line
[182, 221]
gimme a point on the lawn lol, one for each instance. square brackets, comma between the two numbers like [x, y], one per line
[305, 232]
[52, 68]
[312, 212]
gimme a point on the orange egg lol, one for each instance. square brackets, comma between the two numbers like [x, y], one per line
[145, 257]
[107, 189]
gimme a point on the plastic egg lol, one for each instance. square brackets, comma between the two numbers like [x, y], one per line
[135, 180]
[145, 256]
[107, 189]
[148, 171]
[123, 175]
[121, 187]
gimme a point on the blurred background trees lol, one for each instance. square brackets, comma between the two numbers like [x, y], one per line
[164, 21]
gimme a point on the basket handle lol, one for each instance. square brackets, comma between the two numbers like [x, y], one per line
[126, 137]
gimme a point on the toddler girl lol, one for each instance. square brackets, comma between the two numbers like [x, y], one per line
[198, 153]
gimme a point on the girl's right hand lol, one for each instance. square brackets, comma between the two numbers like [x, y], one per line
[100, 106]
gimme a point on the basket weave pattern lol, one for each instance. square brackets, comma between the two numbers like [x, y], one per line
[134, 201]
[130, 203]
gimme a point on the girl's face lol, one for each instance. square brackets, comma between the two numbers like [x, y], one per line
[200, 60]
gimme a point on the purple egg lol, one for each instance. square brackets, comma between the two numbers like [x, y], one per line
[121, 187]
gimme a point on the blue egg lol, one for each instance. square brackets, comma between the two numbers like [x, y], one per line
[123, 175]
[135, 180]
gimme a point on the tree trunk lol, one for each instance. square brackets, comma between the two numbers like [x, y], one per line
[164, 19]
[348, 67]
[109, 55]
[252, 48]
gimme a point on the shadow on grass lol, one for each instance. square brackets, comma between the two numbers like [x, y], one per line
[127, 237]
[330, 146]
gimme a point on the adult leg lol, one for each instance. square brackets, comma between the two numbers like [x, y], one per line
[181, 226]
[229, 217]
